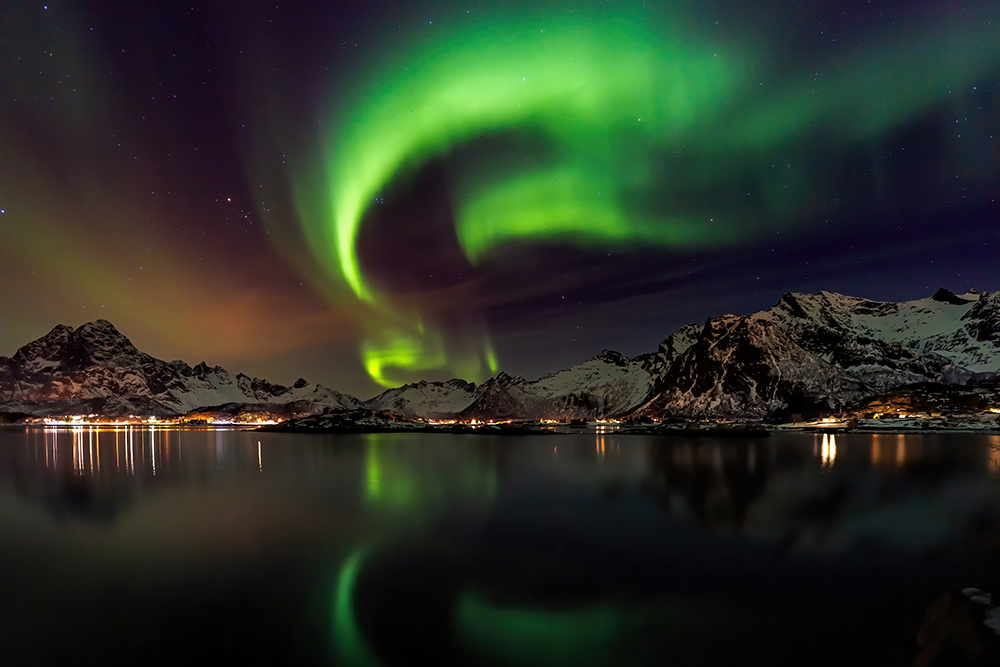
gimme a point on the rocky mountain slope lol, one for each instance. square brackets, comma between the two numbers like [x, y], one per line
[95, 369]
[809, 354]
[813, 353]
[742, 367]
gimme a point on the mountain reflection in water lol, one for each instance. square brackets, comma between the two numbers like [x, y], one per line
[578, 549]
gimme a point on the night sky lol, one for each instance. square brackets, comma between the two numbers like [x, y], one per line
[366, 193]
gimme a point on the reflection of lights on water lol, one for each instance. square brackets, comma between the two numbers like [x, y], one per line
[78, 449]
[994, 453]
[605, 447]
[260, 463]
[86, 448]
[93, 451]
[129, 452]
[900, 450]
[828, 450]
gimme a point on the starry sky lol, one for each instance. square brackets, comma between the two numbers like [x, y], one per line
[371, 193]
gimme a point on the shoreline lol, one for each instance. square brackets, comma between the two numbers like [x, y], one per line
[736, 431]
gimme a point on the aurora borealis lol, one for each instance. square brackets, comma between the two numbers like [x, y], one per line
[371, 195]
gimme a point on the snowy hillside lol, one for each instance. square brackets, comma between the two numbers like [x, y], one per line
[607, 385]
[432, 400]
[945, 337]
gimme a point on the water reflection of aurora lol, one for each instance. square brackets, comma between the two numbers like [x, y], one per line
[624, 128]
[393, 482]
[485, 628]
[395, 486]
[490, 632]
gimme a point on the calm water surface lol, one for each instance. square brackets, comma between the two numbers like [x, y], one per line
[159, 546]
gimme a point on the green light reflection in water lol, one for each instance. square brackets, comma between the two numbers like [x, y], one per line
[517, 636]
[396, 485]
[673, 630]
[349, 642]
[395, 482]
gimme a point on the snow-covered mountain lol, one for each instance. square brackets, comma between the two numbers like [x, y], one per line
[96, 369]
[886, 344]
[606, 385]
[432, 400]
[609, 384]
[810, 353]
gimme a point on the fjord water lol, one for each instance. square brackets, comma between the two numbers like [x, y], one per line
[161, 545]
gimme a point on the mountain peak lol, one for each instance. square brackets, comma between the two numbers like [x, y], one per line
[94, 343]
[100, 343]
[790, 301]
[503, 378]
[101, 330]
[99, 323]
[611, 357]
[947, 296]
[59, 332]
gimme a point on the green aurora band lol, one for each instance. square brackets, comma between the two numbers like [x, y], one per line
[587, 85]
[594, 106]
